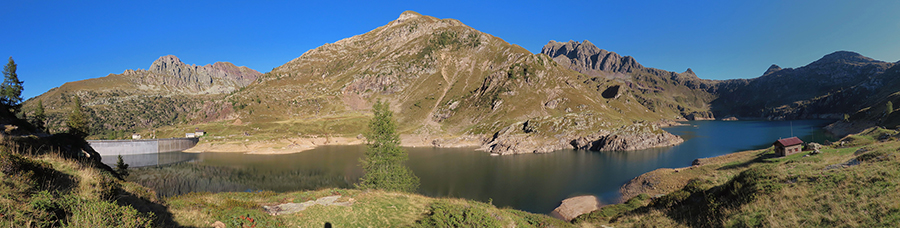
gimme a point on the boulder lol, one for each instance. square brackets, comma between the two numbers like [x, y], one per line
[575, 206]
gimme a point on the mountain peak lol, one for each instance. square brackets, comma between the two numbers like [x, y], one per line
[689, 71]
[406, 15]
[772, 68]
[168, 64]
[586, 57]
[844, 57]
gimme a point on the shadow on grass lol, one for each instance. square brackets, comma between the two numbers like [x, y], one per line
[765, 157]
[163, 217]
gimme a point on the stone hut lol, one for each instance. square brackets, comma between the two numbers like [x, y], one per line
[788, 146]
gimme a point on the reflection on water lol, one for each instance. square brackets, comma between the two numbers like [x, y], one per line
[141, 160]
[535, 183]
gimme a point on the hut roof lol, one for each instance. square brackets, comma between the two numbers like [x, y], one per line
[789, 141]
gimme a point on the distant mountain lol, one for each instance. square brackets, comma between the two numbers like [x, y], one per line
[839, 83]
[169, 92]
[683, 94]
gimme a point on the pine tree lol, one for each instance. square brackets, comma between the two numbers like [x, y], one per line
[11, 89]
[77, 121]
[121, 167]
[384, 159]
[40, 119]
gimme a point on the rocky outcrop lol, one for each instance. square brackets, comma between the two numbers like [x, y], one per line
[519, 139]
[575, 206]
[625, 142]
[170, 73]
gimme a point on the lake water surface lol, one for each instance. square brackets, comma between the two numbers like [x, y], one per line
[533, 182]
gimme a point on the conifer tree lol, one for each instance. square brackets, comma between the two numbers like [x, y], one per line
[40, 119]
[383, 164]
[11, 89]
[77, 121]
[121, 167]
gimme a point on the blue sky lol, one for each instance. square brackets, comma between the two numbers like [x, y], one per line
[61, 41]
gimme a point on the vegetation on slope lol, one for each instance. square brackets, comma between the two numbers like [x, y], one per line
[373, 208]
[854, 185]
[51, 188]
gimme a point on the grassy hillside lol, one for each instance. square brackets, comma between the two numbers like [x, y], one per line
[853, 185]
[366, 209]
[51, 190]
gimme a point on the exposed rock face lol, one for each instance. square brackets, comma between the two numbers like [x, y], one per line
[575, 206]
[169, 92]
[657, 90]
[522, 139]
[589, 59]
[220, 77]
[624, 142]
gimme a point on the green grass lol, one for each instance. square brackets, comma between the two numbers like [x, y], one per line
[51, 191]
[368, 209]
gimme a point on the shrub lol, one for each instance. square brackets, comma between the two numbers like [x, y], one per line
[611, 211]
[443, 214]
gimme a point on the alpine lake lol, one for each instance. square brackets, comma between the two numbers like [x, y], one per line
[532, 182]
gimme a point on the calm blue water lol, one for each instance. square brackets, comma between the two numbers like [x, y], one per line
[533, 182]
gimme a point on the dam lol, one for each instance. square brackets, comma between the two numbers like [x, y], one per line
[143, 152]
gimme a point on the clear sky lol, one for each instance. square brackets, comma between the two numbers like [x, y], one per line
[54, 42]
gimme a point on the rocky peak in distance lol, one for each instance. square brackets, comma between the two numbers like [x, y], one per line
[587, 58]
[170, 72]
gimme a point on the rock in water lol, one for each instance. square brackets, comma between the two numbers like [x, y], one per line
[575, 206]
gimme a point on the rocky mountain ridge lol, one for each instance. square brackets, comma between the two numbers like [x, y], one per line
[169, 92]
[684, 95]
[839, 83]
[216, 78]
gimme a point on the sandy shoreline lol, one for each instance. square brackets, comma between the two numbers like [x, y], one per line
[300, 144]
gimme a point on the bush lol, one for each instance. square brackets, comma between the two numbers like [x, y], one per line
[443, 214]
[609, 212]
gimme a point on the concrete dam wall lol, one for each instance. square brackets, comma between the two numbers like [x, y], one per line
[141, 146]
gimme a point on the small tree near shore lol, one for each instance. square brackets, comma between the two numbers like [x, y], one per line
[121, 167]
[383, 164]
